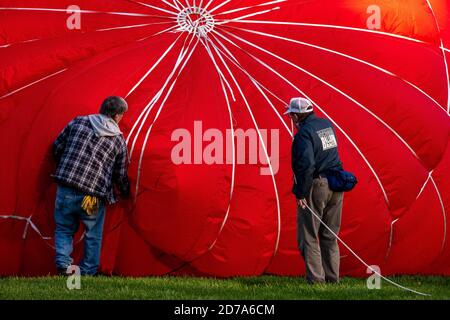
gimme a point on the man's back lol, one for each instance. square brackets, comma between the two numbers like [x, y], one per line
[323, 137]
[315, 150]
[90, 158]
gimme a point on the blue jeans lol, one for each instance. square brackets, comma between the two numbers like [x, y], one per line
[68, 214]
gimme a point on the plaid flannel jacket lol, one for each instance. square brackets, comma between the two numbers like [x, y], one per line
[92, 164]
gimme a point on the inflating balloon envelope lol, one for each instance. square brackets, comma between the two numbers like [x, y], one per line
[216, 69]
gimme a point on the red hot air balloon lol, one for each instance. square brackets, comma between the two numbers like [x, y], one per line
[207, 82]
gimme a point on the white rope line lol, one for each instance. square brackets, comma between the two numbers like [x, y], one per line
[25, 231]
[323, 111]
[133, 26]
[265, 153]
[32, 84]
[361, 260]
[156, 95]
[157, 116]
[181, 6]
[272, 106]
[208, 4]
[63, 70]
[391, 238]
[390, 73]
[171, 5]
[233, 146]
[399, 137]
[175, 3]
[171, 29]
[258, 85]
[219, 6]
[249, 7]
[438, 193]
[29, 222]
[201, 4]
[148, 37]
[152, 68]
[101, 30]
[329, 26]
[183, 52]
[221, 75]
[181, 56]
[234, 60]
[143, 115]
[146, 111]
[221, 22]
[130, 14]
[149, 107]
[187, 4]
[424, 185]
[233, 174]
[16, 43]
[230, 55]
[443, 54]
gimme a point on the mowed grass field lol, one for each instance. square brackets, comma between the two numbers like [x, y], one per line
[187, 288]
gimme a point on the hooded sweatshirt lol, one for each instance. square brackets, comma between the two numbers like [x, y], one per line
[104, 126]
[92, 157]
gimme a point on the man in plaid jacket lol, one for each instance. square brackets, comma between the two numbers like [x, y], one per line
[92, 159]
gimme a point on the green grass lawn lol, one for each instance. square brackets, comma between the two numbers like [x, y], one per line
[253, 288]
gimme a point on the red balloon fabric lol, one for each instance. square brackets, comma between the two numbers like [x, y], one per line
[207, 84]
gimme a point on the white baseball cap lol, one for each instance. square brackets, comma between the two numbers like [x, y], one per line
[300, 105]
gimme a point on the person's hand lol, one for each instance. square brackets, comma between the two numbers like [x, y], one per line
[302, 203]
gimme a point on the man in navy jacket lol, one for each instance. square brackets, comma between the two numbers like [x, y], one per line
[314, 151]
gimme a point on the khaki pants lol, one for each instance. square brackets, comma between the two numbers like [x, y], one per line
[317, 244]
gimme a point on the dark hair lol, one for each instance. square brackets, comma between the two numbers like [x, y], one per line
[113, 106]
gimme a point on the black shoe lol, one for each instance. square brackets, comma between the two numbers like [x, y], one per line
[314, 281]
[332, 281]
[62, 272]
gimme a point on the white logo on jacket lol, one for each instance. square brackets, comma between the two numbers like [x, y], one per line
[328, 139]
